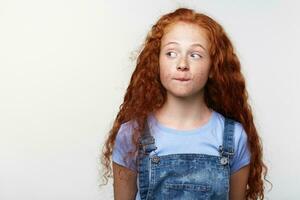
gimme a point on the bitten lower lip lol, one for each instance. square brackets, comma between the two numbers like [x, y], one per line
[183, 80]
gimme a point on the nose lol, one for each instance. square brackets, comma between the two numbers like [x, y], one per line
[182, 65]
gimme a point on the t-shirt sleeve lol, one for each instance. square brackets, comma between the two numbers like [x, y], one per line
[242, 156]
[123, 146]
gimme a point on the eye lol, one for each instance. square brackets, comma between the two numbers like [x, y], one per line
[170, 53]
[196, 55]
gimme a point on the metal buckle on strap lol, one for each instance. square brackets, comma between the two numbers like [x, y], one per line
[222, 152]
[225, 155]
[147, 139]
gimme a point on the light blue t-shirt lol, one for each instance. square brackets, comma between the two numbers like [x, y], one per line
[203, 140]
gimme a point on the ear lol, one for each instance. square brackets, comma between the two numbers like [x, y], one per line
[210, 75]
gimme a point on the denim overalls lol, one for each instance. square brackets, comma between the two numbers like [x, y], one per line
[185, 176]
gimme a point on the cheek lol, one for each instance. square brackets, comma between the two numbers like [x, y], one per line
[165, 71]
[165, 74]
[201, 77]
[203, 70]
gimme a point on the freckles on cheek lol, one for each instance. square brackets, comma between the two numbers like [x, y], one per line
[199, 77]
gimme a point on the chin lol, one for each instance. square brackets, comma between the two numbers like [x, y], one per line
[180, 95]
[184, 94]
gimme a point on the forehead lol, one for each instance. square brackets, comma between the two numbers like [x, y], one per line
[185, 33]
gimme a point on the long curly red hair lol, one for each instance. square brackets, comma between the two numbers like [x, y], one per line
[225, 92]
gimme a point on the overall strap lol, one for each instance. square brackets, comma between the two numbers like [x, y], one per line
[227, 149]
[146, 145]
[147, 141]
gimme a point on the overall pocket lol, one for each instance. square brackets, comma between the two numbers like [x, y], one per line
[186, 191]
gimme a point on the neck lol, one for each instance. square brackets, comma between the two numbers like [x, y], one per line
[183, 113]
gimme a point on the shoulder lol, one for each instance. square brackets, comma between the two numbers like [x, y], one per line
[125, 131]
[240, 136]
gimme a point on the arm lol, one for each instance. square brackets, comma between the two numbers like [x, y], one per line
[124, 182]
[238, 183]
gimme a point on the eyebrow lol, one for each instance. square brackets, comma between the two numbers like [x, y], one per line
[196, 44]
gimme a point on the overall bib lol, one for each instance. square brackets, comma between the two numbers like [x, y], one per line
[185, 176]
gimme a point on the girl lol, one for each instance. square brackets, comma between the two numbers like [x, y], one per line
[185, 129]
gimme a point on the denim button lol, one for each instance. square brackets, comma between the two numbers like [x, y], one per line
[224, 160]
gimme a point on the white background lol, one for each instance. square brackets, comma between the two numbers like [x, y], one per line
[64, 68]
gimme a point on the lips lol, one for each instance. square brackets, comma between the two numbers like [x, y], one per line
[182, 79]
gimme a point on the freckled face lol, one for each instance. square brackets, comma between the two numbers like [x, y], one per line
[184, 60]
